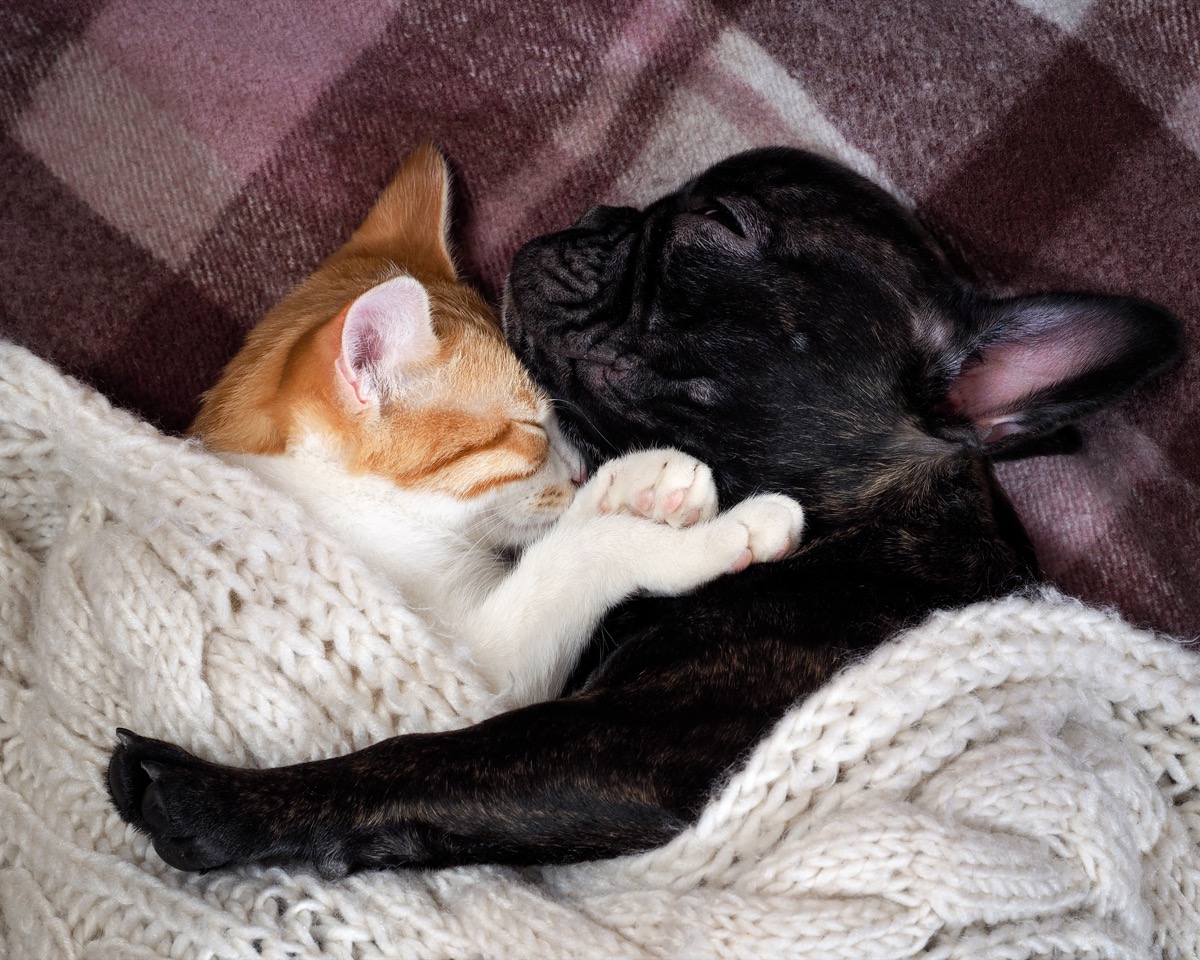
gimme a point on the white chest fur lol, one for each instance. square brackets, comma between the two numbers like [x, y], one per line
[418, 540]
[524, 624]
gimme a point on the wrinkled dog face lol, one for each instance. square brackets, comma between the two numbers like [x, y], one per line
[758, 316]
[791, 324]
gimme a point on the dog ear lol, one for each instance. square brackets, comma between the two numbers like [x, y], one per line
[1040, 363]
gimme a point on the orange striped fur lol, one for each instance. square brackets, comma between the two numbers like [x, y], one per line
[463, 421]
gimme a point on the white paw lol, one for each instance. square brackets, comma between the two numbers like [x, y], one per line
[760, 529]
[666, 486]
[773, 524]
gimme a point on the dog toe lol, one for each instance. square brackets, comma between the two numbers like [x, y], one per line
[127, 779]
[172, 840]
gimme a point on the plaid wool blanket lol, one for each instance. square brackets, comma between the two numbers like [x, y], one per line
[170, 168]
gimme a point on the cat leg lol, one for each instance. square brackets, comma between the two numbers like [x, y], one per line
[529, 631]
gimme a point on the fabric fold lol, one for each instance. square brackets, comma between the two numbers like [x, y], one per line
[1009, 779]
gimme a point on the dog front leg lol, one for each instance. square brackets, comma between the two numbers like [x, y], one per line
[564, 781]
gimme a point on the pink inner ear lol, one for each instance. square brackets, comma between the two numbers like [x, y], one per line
[386, 330]
[993, 389]
[354, 385]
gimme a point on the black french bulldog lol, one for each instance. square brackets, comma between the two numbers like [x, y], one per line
[790, 324]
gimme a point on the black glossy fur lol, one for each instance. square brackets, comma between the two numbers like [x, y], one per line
[790, 324]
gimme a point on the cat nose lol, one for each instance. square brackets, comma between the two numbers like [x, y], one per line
[576, 467]
[602, 217]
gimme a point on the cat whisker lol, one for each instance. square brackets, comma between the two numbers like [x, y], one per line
[579, 412]
[485, 527]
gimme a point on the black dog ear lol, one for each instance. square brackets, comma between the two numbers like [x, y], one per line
[1040, 363]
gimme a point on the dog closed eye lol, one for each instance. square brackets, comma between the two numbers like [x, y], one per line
[723, 215]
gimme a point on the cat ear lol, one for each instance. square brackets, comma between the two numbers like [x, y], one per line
[410, 221]
[387, 330]
[1040, 363]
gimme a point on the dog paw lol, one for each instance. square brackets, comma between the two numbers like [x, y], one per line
[773, 524]
[189, 808]
[667, 486]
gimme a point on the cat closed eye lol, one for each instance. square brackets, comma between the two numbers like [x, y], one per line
[534, 425]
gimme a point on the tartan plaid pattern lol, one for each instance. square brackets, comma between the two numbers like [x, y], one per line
[171, 168]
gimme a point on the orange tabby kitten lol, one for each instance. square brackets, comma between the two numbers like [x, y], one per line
[381, 395]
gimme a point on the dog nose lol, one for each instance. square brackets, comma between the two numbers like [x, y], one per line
[602, 217]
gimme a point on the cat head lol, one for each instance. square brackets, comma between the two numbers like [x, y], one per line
[390, 366]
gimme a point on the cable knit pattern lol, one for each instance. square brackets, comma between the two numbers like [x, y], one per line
[1016, 779]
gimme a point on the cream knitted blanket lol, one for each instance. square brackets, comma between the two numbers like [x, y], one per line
[1017, 779]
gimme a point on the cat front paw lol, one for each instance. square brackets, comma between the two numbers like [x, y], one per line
[665, 485]
[774, 524]
[761, 529]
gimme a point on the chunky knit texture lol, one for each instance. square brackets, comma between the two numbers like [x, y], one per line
[1016, 779]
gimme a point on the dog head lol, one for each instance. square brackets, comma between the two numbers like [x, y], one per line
[792, 325]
